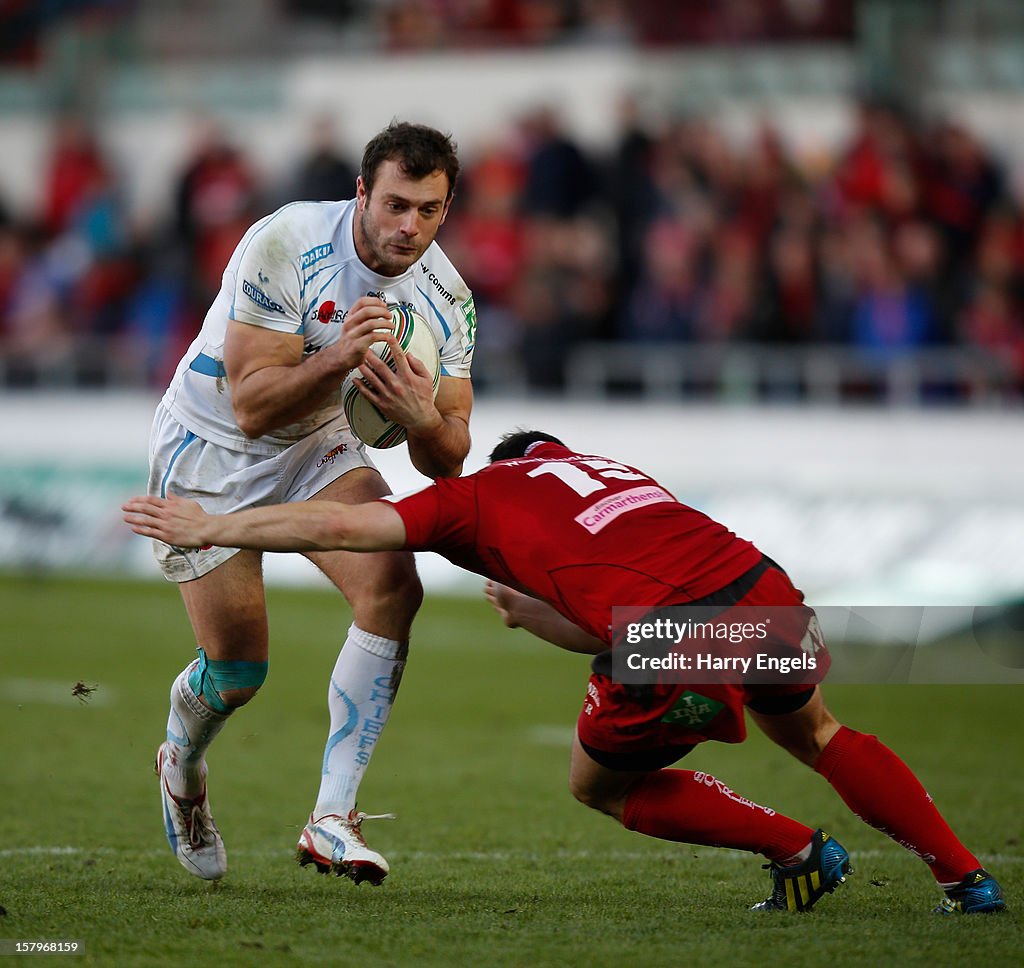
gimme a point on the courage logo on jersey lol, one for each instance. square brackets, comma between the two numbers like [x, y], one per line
[261, 299]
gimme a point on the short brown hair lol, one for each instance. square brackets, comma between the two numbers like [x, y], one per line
[418, 149]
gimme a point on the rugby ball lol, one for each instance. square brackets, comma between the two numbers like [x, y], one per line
[415, 337]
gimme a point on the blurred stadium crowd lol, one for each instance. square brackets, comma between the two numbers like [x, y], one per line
[439, 24]
[910, 237]
[419, 24]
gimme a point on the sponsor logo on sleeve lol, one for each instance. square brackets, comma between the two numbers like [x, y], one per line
[315, 254]
[259, 297]
[469, 314]
[468, 310]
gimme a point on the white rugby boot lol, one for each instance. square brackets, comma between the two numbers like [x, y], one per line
[191, 832]
[335, 845]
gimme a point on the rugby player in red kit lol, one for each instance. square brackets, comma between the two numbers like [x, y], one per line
[563, 537]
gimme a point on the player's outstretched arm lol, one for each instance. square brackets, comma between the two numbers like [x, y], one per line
[518, 610]
[303, 526]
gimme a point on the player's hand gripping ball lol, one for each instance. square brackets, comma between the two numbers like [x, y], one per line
[415, 337]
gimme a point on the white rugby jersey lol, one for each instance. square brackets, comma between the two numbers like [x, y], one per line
[297, 271]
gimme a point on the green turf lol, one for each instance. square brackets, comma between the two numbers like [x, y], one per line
[493, 863]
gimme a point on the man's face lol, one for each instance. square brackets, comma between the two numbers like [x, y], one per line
[398, 220]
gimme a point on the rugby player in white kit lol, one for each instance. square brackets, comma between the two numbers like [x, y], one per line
[253, 416]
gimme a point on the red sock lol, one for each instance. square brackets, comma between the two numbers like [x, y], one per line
[695, 808]
[880, 789]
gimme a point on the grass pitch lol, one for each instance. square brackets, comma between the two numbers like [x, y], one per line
[493, 864]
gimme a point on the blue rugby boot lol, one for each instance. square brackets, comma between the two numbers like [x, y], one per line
[978, 893]
[798, 887]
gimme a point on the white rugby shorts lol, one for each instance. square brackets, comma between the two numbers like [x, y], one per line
[223, 480]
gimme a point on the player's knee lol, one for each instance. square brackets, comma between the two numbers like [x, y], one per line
[822, 737]
[226, 685]
[233, 698]
[395, 594]
[806, 750]
[593, 797]
[809, 745]
[582, 793]
[802, 731]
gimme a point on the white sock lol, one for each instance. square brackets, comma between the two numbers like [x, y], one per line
[191, 728]
[363, 687]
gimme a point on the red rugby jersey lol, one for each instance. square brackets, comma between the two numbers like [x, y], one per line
[583, 533]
